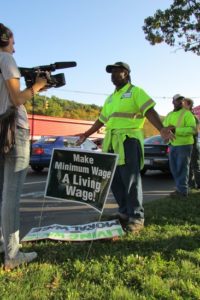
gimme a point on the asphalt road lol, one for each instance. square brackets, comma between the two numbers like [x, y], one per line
[37, 211]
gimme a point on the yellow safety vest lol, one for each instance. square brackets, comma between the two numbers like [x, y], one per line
[123, 114]
[184, 122]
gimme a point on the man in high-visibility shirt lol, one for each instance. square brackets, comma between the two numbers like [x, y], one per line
[124, 114]
[194, 174]
[183, 125]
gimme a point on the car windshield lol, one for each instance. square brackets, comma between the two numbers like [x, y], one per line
[68, 141]
[154, 140]
[88, 145]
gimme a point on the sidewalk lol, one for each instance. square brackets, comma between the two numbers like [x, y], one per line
[40, 212]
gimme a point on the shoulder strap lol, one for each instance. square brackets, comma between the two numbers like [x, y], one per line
[180, 118]
[129, 88]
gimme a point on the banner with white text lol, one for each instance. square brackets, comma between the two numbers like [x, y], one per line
[86, 232]
[81, 176]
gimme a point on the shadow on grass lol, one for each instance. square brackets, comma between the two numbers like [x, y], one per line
[177, 248]
[170, 225]
[142, 245]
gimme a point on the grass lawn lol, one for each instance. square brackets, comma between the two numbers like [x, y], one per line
[162, 262]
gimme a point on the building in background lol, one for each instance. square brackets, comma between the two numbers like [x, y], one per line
[46, 126]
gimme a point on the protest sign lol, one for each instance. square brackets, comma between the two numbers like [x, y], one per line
[85, 232]
[82, 176]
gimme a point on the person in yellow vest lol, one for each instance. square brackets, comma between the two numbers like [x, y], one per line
[182, 123]
[123, 114]
[194, 174]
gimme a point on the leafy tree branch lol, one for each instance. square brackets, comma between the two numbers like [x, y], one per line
[177, 26]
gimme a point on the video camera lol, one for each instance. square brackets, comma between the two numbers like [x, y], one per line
[56, 81]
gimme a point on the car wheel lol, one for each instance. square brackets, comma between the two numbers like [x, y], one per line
[165, 171]
[37, 168]
[143, 171]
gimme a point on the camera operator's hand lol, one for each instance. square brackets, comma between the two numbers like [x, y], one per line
[19, 97]
[40, 83]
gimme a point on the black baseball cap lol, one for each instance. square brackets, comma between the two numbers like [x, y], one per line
[121, 64]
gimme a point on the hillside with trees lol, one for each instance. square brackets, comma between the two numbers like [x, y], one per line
[56, 107]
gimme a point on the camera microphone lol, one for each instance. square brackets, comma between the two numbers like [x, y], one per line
[56, 65]
[65, 64]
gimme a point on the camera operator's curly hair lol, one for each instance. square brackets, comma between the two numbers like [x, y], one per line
[5, 35]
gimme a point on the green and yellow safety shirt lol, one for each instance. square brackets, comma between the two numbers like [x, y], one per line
[185, 126]
[123, 114]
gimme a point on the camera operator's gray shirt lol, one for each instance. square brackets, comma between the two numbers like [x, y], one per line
[10, 70]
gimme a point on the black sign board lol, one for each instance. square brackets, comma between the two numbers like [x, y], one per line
[81, 176]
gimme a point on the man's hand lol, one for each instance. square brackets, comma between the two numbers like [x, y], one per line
[167, 134]
[172, 128]
[82, 138]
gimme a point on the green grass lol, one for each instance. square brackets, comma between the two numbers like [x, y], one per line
[162, 262]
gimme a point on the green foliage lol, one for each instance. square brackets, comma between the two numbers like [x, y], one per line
[177, 26]
[62, 108]
[162, 262]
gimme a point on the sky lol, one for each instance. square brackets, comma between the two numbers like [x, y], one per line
[95, 33]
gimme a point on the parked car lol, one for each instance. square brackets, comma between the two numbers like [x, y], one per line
[42, 149]
[156, 154]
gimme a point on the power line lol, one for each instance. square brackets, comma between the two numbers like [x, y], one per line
[104, 94]
[84, 92]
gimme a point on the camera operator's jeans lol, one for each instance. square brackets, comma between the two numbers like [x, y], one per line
[13, 169]
[179, 160]
[126, 185]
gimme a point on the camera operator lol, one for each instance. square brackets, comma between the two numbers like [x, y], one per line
[14, 149]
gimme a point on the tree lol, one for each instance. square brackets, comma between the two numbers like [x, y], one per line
[56, 107]
[177, 26]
